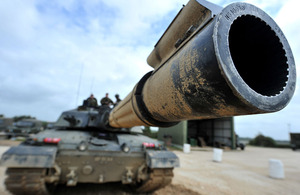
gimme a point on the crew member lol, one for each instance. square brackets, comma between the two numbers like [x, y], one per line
[117, 99]
[92, 101]
[106, 100]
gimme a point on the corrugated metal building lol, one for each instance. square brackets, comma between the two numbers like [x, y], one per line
[210, 132]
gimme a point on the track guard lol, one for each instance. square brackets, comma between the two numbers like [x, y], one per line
[29, 156]
[161, 159]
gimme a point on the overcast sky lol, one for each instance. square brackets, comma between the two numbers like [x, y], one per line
[54, 54]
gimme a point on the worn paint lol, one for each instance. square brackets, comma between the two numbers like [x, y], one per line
[161, 159]
[29, 156]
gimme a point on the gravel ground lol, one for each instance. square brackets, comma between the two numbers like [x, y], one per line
[240, 172]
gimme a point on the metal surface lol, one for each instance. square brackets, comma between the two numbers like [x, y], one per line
[238, 63]
[161, 159]
[195, 15]
[29, 156]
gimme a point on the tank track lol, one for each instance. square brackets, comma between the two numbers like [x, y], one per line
[158, 178]
[26, 181]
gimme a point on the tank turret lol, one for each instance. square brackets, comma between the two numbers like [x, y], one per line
[85, 117]
[209, 63]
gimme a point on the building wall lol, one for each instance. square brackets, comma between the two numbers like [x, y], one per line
[213, 132]
[178, 133]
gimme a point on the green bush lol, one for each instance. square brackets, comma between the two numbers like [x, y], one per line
[147, 131]
[261, 140]
[18, 118]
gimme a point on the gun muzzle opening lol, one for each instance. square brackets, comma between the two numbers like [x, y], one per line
[254, 57]
[258, 55]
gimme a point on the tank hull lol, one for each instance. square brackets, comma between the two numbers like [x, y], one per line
[98, 166]
[90, 159]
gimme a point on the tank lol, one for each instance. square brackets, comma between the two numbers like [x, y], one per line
[25, 128]
[81, 148]
[5, 123]
[211, 62]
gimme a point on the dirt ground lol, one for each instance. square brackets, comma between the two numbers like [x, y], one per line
[240, 172]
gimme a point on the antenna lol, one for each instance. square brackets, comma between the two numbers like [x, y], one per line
[79, 84]
[92, 85]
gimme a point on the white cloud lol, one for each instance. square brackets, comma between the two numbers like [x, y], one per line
[289, 21]
[18, 19]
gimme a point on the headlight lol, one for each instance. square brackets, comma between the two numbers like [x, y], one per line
[125, 148]
[82, 146]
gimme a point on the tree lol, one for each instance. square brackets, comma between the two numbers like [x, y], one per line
[261, 140]
[147, 131]
[18, 118]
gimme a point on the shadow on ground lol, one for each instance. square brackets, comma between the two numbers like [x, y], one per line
[118, 189]
[95, 189]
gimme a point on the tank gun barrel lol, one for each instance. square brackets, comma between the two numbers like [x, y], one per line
[211, 63]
